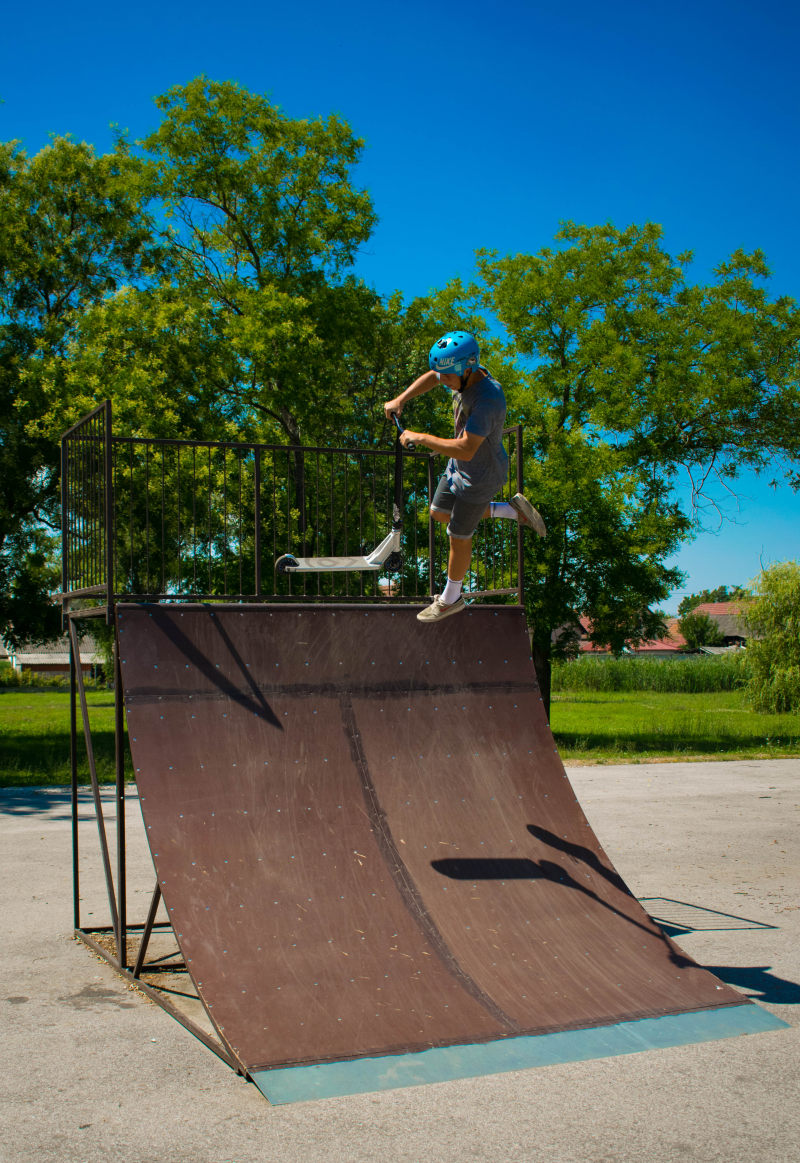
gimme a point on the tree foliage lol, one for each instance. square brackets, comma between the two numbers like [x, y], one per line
[265, 227]
[256, 328]
[72, 230]
[773, 617]
[626, 375]
[700, 630]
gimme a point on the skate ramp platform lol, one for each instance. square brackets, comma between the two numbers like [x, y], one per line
[372, 858]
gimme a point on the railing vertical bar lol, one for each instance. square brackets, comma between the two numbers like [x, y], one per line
[360, 494]
[210, 477]
[179, 577]
[289, 540]
[97, 493]
[520, 541]
[315, 544]
[346, 523]
[194, 518]
[331, 510]
[274, 510]
[108, 505]
[164, 453]
[239, 524]
[225, 521]
[130, 514]
[64, 517]
[431, 533]
[80, 573]
[147, 514]
[257, 517]
[92, 554]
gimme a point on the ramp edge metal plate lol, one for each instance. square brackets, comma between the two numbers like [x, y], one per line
[448, 1063]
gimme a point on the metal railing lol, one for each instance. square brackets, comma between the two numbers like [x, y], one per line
[154, 519]
[87, 551]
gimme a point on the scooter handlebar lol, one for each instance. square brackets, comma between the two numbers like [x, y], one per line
[411, 446]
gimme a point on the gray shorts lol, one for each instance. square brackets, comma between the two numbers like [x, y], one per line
[465, 515]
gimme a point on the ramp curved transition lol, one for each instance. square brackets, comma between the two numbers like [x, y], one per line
[366, 840]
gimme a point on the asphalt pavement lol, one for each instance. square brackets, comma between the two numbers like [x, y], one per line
[92, 1070]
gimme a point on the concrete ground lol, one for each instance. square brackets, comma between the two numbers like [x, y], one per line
[90, 1070]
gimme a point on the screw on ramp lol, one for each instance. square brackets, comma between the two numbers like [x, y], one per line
[370, 851]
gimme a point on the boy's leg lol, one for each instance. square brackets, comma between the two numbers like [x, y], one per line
[459, 559]
[519, 509]
[462, 518]
[443, 509]
[457, 562]
[528, 516]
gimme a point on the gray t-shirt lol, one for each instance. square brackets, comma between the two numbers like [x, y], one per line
[481, 409]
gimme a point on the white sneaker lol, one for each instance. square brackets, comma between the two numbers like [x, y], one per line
[528, 515]
[438, 610]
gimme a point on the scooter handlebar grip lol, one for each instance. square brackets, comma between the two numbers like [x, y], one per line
[411, 446]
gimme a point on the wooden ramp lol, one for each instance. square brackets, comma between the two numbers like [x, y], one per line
[371, 855]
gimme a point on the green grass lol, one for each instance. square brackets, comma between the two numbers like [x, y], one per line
[622, 726]
[589, 726]
[34, 736]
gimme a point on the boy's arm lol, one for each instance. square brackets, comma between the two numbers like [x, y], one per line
[461, 447]
[420, 386]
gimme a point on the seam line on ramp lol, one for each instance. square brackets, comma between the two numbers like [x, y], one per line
[403, 879]
[329, 690]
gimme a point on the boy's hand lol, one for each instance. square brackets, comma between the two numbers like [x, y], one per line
[392, 406]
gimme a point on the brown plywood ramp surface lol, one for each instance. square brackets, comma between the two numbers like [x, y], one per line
[366, 840]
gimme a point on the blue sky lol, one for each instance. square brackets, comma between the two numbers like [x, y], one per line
[485, 125]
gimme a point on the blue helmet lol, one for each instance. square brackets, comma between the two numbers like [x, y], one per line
[456, 353]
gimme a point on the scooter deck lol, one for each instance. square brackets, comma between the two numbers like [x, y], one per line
[290, 564]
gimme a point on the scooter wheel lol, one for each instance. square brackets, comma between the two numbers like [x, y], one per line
[286, 564]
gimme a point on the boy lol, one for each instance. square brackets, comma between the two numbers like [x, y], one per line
[478, 464]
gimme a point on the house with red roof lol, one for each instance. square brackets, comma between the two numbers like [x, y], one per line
[728, 616]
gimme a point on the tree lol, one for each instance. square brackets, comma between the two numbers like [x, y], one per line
[261, 332]
[773, 653]
[266, 224]
[625, 375]
[250, 325]
[73, 227]
[700, 630]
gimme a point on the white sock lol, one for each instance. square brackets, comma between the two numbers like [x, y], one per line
[451, 592]
[503, 509]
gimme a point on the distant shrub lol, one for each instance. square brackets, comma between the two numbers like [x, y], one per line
[774, 619]
[25, 678]
[695, 675]
[699, 630]
[780, 694]
[11, 679]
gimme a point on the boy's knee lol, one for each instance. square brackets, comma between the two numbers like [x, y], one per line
[440, 515]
